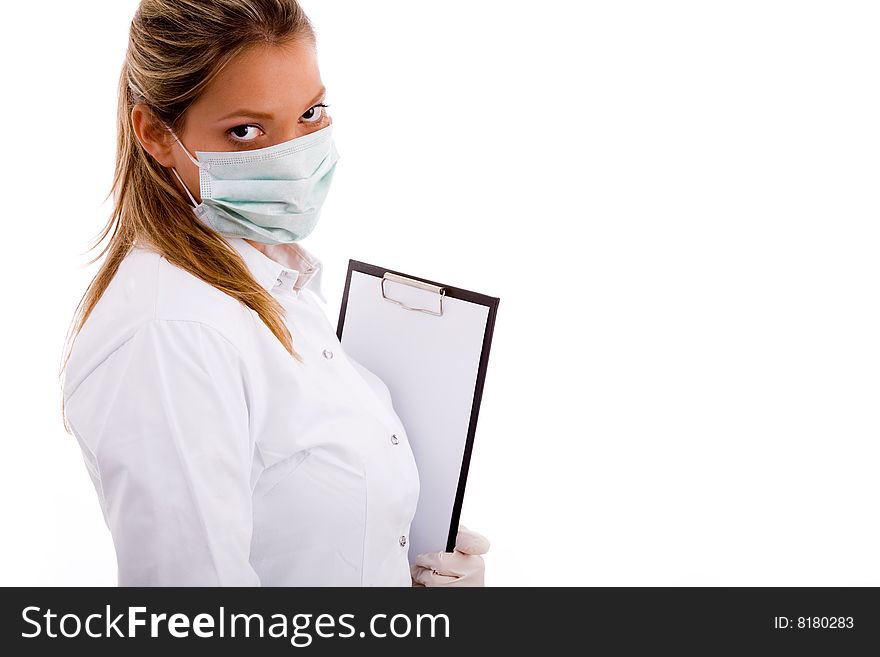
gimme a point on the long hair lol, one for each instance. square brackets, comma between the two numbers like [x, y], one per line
[175, 49]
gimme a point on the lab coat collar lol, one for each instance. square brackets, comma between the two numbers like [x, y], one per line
[291, 264]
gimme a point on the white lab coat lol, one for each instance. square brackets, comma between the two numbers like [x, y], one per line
[220, 460]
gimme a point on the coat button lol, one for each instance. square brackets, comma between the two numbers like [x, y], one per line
[402, 541]
[394, 439]
[328, 354]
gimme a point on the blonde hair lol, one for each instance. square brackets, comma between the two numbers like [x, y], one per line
[175, 49]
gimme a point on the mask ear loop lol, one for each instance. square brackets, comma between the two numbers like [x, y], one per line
[174, 169]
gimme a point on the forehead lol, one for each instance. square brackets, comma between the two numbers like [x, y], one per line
[267, 78]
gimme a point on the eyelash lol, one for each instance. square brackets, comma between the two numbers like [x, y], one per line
[239, 142]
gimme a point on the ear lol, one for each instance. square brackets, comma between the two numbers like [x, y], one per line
[152, 135]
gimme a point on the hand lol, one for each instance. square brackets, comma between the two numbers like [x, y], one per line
[462, 567]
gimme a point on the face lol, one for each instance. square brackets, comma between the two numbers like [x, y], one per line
[267, 95]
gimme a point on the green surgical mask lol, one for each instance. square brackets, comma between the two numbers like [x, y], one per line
[271, 195]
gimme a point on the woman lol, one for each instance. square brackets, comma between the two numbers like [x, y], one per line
[230, 438]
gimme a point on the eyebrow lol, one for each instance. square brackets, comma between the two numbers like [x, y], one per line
[267, 115]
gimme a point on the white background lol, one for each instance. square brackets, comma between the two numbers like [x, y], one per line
[676, 202]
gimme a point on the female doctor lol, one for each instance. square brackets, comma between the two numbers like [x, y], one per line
[230, 438]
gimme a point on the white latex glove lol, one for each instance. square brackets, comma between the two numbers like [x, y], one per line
[462, 567]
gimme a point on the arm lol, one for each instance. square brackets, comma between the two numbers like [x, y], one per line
[174, 455]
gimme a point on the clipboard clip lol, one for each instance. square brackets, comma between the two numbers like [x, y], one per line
[403, 280]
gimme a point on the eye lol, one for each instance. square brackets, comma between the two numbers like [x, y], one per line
[313, 115]
[239, 134]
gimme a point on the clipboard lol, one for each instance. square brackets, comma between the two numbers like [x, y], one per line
[429, 342]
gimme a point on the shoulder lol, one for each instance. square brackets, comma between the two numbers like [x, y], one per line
[149, 290]
[180, 295]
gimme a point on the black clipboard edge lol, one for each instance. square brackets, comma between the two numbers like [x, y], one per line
[455, 293]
